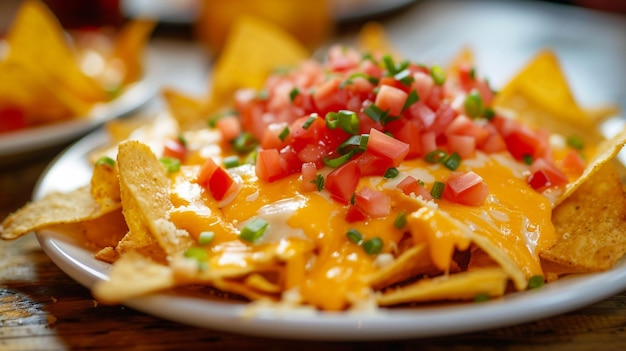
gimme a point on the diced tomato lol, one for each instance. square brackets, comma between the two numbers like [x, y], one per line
[463, 125]
[443, 117]
[229, 127]
[410, 185]
[355, 214]
[215, 179]
[11, 118]
[251, 112]
[409, 133]
[329, 97]
[429, 142]
[434, 99]
[464, 145]
[342, 181]
[309, 174]
[573, 163]
[312, 153]
[390, 99]
[423, 83]
[268, 165]
[371, 164]
[522, 142]
[466, 188]
[544, 175]
[373, 202]
[272, 136]
[384, 145]
[494, 141]
[174, 148]
[302, 135]
[290, 161]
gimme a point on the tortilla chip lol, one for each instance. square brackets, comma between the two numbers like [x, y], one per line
[55, 208]
[460, 286]
[133, 275]
[411, 263]
[590, 224]
[105, 188]
[130, 43]
[254, 48]
[146, 201]
[373, 38]
[106, 230]
[190, 113]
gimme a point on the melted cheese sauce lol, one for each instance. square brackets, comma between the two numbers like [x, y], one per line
[306, 235]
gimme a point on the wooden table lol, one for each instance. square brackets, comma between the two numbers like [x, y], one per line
[41, 308]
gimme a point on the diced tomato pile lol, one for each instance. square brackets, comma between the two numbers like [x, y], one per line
[364, 115]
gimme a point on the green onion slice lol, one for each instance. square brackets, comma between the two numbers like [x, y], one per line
[206, 237]
[171, 164]
[452, 162]
[575, 142]
[244, 143]
[293, 93]
[391, 172]
[438, 74]
[400, 220]
[437, 189]
[473, 104]
[410, 100]
[319, 182]
[338, 161]
[231, 161]
[535, 282]
[528, 159]
[253, 230]
[354, 236]
[435, 156]
[105, 160]
[373, 246]
[283, 134]
[309, 122]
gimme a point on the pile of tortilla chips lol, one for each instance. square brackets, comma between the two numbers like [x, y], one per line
[123, 212]
[48, 77]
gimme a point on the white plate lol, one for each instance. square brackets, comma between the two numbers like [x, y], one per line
[71, 169]
[38, 138]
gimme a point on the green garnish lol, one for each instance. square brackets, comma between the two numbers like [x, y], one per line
[438, 74]
[410, 100]
[283, 134]
[437, 189]
[473, 104]
[535, 282]
[452, 162]
[354, 236]
[346, 119]
[338, 161]
[576, 142]
[244, 143]
[309, 122]
[231, 161]
[391, 172]
[528, 159]
[435, 156]
[205, 237]
[481, 297]
[293, 93]
[319, 182]
[105, 160]
[253, 230]
[400, 220]
[171, 164]
[373, 246]
[199, 255]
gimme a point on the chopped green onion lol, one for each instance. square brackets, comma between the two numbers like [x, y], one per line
[400, 220]
[171, 164]
[231, 161]
[353, 199]
[438, 74]
[354, 143]
[182, 140]
[205, 237]
[437, 189]
[435, 156]
[410, 100]
[391, 172]
[473, 104]
[575, 142]
[283, 134]
[373, 246]
[535, 282]
[354, 236]
[350, 79]
[489, 113]
[338, 161]
[453, 161]
[250, 158]
[105, 160]
[216, 117]
[253, 230]
[199, 255]
[244, 143]
[319, 182]
[528, 159]
[389, 64]
[348, 121]
[309, 121]
[376, 114]
[482, 297]
[293, 93]
[472, 73]
[404, 77]
[332, 120]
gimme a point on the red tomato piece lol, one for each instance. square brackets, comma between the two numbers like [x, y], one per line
[174, 148]
[573, 163]
[384, 145]
[409, 133]
[342, 181]
[390, 99]
[523, 142]
[355, 214]
[309, 175]
[423, 83]
[464, 145]
[229, 127]
[11, 118]
[272, 136]
[329, 97]
[206, 171]
[269, 166]
[410, 185]
[466, 188]
[544, 175]
[373, 202]
[371, 164]
[215, 179]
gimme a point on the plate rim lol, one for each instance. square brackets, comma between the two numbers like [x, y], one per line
[552, 299]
